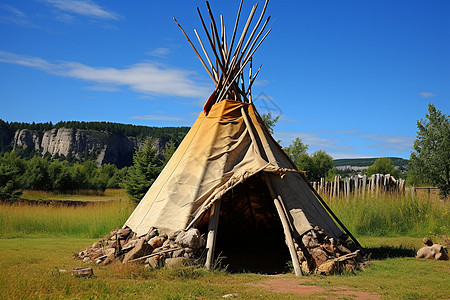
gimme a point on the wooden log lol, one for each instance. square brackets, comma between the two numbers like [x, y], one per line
[154, 254]
[288, 236]
[212, 234]
[286, 226]
[198, 55]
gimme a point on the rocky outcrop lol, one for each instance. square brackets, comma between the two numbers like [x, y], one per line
[105, 147]
[27, 139]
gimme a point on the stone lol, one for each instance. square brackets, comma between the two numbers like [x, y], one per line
[318, 255]
[123, 233]
[109, 251]
[156, 242]
[151, 234]
[109, 259]
[178, 253]
[436, 251]
[191, 239]
[93, 253]
[233, 295]
[130, 244]
[83, 272]
[306, 267]
[153, 261]
[327, 268]
[175, 262]
[100, 259]
[141, 249]
[174, 235]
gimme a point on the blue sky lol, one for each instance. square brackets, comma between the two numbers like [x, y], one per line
[349, 77]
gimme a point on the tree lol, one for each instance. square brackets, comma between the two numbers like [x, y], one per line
[141, 175]
[169, 150]
[296, 150]
[269, 121]
[383, 165]
[11, 169]
[36, 176]
[322, 163]
[430, 160]
[316, 166]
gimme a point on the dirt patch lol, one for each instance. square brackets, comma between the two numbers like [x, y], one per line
[282, 285]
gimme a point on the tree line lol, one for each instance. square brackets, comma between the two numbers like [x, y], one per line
[429, 164]
[18, 173]
[176, 133]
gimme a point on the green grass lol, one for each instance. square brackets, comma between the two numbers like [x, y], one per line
[29, 270]
[391, 215]
[37, 240]
[91, 220]
[81, 195]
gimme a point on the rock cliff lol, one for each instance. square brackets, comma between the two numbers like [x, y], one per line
[105, 147]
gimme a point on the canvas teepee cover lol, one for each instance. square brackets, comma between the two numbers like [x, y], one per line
[222, 150]
[227, 147]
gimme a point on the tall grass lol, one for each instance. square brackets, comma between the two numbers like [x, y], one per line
[92, 220]
[392, 215]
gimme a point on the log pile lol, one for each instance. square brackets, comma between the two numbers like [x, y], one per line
[153, 249]
[319, 254]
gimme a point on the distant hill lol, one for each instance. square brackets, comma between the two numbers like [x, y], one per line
[358, 164]
[105, 142]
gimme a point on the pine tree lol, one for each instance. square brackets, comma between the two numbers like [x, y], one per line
[141, 175]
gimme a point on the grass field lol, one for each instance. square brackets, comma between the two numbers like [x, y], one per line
[38, 240]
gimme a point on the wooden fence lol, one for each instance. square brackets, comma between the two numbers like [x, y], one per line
[357, 184]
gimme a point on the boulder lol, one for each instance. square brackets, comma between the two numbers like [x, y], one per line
[327, 268]
[156, 242]
[319, 256]
[130, 244]
[109, 259]
[153, 261]
[175, 262]
[109, 251]
[178, 253]
[436, 251]
[141, 249]
[123, 233]
[191, 239]
[151, 234]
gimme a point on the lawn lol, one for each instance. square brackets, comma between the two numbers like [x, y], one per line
[38, 240]
[30, 270]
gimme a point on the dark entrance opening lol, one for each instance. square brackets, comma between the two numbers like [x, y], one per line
[250, 236]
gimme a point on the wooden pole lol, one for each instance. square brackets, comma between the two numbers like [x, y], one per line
[288, 236]
[286, 226]
[212, 234]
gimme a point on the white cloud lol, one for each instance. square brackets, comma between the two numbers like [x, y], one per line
[12, 10]
[83, 7]
[146, 77]
[388, 143]
[427, 94]
[261, 82]
[159, 52]
[313, 140]
[102, 88]
[15, 16]
[158, 118]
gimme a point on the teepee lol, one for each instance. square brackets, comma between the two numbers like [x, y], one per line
[229, 176]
